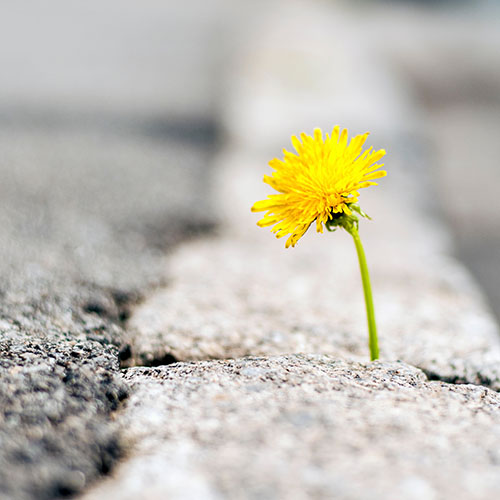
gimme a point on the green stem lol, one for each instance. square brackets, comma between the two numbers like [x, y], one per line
[365, 277]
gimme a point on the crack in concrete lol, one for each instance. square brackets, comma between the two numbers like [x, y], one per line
[480, 381]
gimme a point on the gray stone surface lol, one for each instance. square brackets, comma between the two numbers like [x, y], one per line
[80, 210]
[305, 427]
[100, 177]
[84, 228]
[106, 131]
[56, 398]
[474, 128]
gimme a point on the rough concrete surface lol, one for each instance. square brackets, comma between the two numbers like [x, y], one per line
[55, 432]
[104, 151]
[96, 186]
[67, 288]
[77, 215]
[288, 425]
[305, 426]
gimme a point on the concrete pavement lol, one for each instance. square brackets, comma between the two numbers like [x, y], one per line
[278, 424]
[102, 173]
[106, 148]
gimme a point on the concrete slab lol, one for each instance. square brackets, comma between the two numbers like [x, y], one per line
[304, 427]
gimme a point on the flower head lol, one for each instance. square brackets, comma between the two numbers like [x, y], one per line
[318, 183]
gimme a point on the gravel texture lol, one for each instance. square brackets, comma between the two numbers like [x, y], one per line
[55, 433]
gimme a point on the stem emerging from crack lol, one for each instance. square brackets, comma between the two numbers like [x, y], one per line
[365, 277]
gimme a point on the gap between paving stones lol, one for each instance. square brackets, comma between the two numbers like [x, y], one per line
[105, 141]
[67, 289]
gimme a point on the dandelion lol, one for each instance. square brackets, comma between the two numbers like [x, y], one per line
[321, 183]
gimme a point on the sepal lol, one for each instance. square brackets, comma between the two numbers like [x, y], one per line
[343, 220]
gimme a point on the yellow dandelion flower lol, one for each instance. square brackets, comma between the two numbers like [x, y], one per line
[319, 183]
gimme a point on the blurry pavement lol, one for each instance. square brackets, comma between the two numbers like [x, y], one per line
[107, 135]
[449, 56]
[153, 59]
[285, 412]
[111, 117]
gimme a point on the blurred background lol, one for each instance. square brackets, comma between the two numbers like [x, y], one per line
[110, 119]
